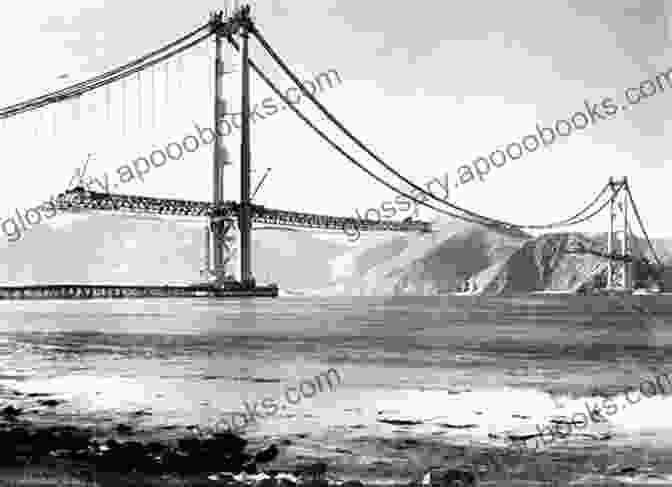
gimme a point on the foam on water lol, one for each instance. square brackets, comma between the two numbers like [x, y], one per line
[501, 413]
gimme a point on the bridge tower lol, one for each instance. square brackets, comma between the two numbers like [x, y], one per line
[220, 233]
[245, 212]
[223, 229]
[619, 246]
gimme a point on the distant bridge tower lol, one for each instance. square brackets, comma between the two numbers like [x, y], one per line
[619, 247]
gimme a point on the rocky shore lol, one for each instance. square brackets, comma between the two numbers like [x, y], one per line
[34, 453]
[36, 450]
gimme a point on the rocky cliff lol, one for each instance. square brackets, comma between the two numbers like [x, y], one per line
[463, 257]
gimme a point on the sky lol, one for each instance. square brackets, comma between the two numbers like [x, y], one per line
[429, 86]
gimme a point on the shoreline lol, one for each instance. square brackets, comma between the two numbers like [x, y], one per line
[386, 449]
[390, 451]
[492, 467]
[65, 454]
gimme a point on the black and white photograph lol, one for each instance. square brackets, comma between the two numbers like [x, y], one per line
[335, 243]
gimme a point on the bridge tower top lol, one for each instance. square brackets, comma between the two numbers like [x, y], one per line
[617, 182]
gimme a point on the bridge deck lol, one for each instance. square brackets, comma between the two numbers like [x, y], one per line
[81, 199]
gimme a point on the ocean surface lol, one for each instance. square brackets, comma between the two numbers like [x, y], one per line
[457, 368]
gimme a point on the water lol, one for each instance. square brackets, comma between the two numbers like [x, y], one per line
[439, 360]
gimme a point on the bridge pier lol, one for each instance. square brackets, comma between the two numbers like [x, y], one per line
[222, 236]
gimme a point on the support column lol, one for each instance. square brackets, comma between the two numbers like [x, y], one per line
[206, 269]
[222, 229]
[217, 190]
[244, 215]
[610, 237]
[220, 106]
[626, 236]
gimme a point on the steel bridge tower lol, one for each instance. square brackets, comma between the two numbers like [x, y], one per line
[619, 246]
[223, 229]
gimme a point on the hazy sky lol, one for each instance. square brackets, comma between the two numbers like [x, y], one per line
[429, 85]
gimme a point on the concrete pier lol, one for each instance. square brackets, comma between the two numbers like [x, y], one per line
[105, 291]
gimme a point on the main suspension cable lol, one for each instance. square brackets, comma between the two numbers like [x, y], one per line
[569, 221]
[348, 156]
[359, 143]
[641, 225]
[602, 207]
[82, 87]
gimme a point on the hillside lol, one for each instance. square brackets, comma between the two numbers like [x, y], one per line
[422, 264]
[494, 263]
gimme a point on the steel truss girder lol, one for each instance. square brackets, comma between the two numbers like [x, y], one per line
[79, 198]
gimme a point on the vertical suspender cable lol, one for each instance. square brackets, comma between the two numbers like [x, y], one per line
[139, 99]
[153, 95]
[166, 83]
[123, 107]
[180, 71]
[108, 102]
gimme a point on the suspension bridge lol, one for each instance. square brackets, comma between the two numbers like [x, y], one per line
[229, 223]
